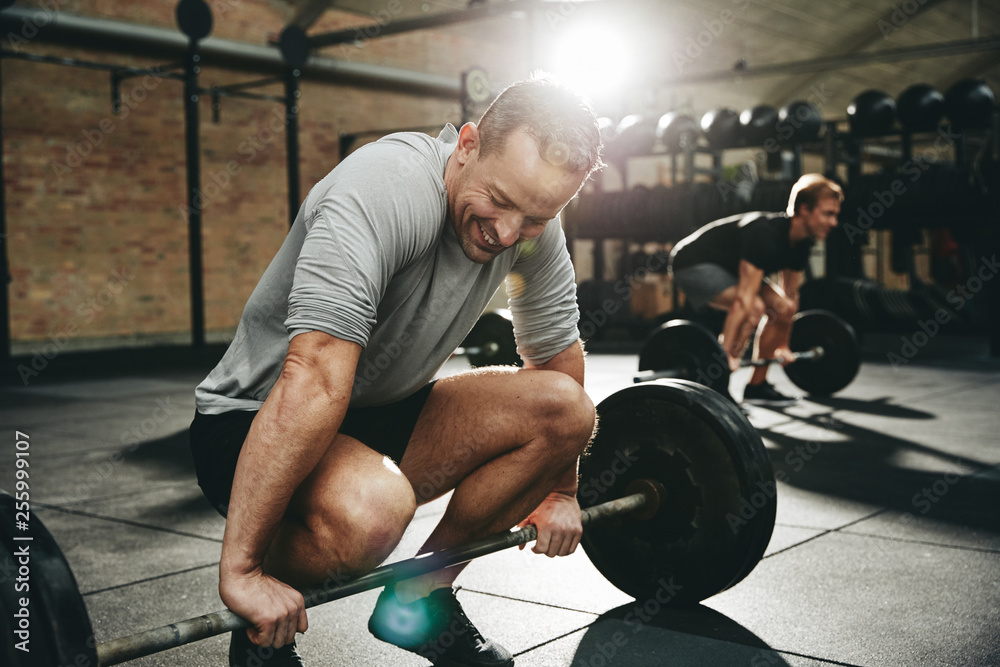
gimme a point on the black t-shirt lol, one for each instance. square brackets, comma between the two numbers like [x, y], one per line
[759, 238]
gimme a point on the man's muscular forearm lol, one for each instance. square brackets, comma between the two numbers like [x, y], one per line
[287, 440]
[289, 436]
[571, 362]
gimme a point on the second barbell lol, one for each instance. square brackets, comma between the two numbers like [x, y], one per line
[827, 355]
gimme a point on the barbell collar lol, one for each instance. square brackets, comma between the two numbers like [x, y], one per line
[177, 634]
[654, 492]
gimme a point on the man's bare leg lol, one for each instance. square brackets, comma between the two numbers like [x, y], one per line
[774, 328]
[502, 439]
[344, 519]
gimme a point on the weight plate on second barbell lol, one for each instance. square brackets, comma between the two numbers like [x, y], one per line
[689, 348]
[841, 358]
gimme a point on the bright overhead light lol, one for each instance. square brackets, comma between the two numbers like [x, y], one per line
[593, 60]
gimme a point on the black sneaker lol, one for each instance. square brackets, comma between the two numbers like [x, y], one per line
[244, 653]
[436, 628]
[765, 394]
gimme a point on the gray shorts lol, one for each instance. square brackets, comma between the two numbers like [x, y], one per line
[703, 282]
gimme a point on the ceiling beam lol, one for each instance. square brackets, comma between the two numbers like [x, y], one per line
[974, 68]
[845, 61]
[151, 42]
[788, 90]
[371, 31]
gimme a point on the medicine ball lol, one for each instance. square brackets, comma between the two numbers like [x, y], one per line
[871, 114]
[636, 135]
[677, 131]
[758, 124]
[721, 128]
[920, 107]
[969, 104]
[799, 122]
[608, 129]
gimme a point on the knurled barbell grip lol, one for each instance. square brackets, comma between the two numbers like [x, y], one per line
[202, 627]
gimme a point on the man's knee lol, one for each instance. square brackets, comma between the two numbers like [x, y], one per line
[569, 415]
[363, 522]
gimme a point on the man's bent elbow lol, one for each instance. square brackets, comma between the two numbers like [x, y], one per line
[318, 364]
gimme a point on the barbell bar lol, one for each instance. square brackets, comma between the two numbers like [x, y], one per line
[811, 354]
[680, 505]
[807, 355]
[195, 629]
[685, 350]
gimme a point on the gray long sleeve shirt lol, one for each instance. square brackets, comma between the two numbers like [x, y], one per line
[372, 258]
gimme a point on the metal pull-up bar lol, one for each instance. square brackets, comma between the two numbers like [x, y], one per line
[194, 18]
[486, 10]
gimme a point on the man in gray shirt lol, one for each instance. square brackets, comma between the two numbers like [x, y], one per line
[321, 430]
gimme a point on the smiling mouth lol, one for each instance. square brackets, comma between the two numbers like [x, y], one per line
[489, 239]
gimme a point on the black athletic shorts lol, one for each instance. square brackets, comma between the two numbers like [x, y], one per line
[216, 440]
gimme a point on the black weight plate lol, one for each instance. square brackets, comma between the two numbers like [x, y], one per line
[194, 18]
[689, 348]
[841, 358]
[495, 327]
[294, 46]
[718, 513]
[60, 631]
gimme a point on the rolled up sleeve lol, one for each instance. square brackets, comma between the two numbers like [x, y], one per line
[363, 225]
[336, 288]
[541, 291]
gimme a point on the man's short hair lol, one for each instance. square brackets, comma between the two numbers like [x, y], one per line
[809, 190]
[561, 123]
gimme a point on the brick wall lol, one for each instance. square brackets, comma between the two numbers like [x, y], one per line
[96, 201]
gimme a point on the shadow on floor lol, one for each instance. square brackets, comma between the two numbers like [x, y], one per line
[862, 465]
[696, 636]
[880, 407]
[171, 453]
